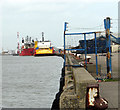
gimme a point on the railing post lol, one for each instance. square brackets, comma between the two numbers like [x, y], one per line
[85, 50]
[108, 47]
[65, 26]
[96, 56]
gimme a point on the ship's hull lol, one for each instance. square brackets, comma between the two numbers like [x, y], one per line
[44, 52]
[27, 52]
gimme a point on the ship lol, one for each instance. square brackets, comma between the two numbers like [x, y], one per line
[43, 47]
[27, 48]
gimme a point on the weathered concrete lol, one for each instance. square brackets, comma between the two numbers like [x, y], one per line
[110, 91]
[74, 90]
[92, 68]
[82, 79]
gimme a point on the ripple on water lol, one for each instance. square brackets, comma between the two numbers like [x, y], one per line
[30, 82]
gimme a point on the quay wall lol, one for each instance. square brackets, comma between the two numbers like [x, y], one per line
[75, 85]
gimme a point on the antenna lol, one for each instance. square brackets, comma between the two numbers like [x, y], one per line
[18, 43]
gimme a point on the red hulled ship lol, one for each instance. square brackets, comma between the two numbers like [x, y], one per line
[27, 48]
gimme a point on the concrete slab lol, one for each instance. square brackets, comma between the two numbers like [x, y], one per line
[109, 90]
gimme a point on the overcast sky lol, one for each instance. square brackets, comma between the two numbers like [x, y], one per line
[32, 17]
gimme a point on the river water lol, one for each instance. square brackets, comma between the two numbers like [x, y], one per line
[30, 82]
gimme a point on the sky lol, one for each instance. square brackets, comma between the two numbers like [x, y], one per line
[32, 17]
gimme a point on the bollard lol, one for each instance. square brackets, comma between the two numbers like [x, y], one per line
[93, 99]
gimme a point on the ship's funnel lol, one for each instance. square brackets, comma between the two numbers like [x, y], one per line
[30, 39]
[22, 40]
[27, 39]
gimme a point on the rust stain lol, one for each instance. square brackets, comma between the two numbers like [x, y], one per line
[92, 93]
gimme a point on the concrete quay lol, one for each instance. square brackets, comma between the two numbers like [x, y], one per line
[109, 90]
[74, 90]
[76, 79]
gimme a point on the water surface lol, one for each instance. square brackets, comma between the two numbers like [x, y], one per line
[30, 82]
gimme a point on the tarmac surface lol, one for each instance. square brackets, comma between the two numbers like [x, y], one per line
[102, 62]
[109, 90]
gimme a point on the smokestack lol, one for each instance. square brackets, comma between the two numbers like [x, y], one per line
[22, 40]
[30, 39]
[27, 39]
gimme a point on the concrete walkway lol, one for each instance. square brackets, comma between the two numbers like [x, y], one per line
[109, 90]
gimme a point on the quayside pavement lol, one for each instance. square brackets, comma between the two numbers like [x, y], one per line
[110, 90]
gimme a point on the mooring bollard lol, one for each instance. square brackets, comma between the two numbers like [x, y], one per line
[93, 99]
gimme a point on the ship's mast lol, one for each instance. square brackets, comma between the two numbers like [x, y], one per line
[42, 36]
[18, 43]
